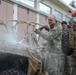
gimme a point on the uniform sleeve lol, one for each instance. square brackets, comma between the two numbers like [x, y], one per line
[53, 33]
[47, 28]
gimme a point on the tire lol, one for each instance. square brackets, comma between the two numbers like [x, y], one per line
[12, 72]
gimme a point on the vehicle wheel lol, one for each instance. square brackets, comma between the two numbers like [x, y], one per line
[12, 72]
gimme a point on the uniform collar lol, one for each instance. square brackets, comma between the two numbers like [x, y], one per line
[53, 25]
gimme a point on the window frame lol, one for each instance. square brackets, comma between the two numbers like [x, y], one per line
[25, 2]
[59, 19]
[50, 11]
[67, 17]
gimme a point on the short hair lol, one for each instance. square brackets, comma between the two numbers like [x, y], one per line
[52, 16]
[64, 22]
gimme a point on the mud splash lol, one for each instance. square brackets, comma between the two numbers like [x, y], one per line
[13, 54]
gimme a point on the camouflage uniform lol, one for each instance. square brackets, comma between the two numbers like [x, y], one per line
[65, 49]
[54, 47]
[72, 61]
[72, 65]
[72, 57]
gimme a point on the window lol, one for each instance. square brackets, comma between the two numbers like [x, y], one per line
[67, 18]
[44, 8]
[28, 2]
[59, 15]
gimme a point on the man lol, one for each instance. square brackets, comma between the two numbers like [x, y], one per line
[64, 24]
[73, 54]
[65, 46]
[73, 12]
[74, 24]
[65, 37]
[53, 38]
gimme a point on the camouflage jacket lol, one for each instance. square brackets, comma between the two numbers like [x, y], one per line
[53, 38]
[72, 42]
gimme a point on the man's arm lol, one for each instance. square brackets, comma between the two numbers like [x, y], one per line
[51, 35]
[44, 27]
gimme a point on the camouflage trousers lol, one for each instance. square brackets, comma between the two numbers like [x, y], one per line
[66, 65]
[55, 64]
[72, 62]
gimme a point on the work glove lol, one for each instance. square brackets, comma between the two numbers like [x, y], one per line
[37, 31]
[44, 27]
[41, 28]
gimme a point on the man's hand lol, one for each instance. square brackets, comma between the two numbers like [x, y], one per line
[47, 28]
[41, 28]
[36, 31]
[44, 27]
